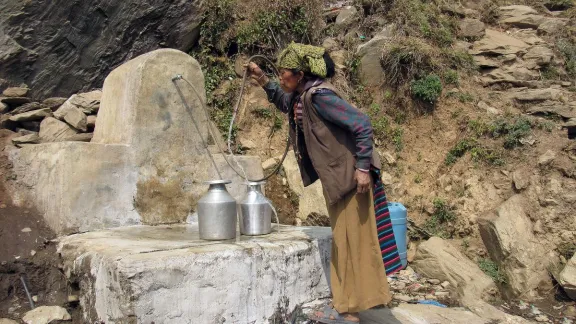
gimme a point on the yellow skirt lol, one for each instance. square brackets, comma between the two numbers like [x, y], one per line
[358, 279]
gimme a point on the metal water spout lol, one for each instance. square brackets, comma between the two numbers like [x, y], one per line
[255, 211]
[217, 212]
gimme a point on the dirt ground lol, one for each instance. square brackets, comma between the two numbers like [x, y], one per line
[27, 252]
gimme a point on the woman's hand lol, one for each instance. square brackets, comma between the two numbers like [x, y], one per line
[362, 181]
[257, 74]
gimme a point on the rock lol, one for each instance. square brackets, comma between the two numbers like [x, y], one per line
[521, 179]
[437, 258]
[7, 321]
[386, 178]
[239, 63]
[445, 284]
[541, 318]
[32, 115]
[46, 314]
[73, 116]
[568, 278]
[515, 11]
[15, 101]
[389, 158]
[462, 46]
[89, 102]
[539, 56]
[370, 54]
[54, 103]
[402, 298]
[537, 95]
[552, 26]
[538, 227]
[498, 43]
[546, 158]
[68, 55]
[4, 108]
[312, 197]
[509, 239]
[81, 137]
[526, 21]
[434, 281]
[330, 44]
[269, 164]
[423, 314]
[339, 58]
[247, 144]
[26, 139]
[553, 108]
[472, 28]
[73, 299]
[346, 15]
[491, 110]
[26, 230]
[15, 92]
[91, 122]
[28, 107]
[486, 62]
[441, 294]
[53, 130]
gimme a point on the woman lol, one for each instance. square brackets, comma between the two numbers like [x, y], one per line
[333, 142]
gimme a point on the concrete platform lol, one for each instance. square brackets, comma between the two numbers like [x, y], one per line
[166, 274]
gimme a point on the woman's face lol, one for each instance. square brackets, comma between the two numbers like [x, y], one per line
[289, 81]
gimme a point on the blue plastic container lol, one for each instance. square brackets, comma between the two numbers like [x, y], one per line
[399, 217]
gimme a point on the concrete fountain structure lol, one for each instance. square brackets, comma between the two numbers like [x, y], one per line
[129, 193]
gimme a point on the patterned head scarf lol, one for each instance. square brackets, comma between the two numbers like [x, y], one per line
[305, 58]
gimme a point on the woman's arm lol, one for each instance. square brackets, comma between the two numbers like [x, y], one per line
[338, 111]
[277, 96]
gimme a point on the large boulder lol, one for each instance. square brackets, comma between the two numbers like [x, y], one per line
[498, 43]
[370, 53]
[32, 115]
[53, 130]
[516, 11]
[438, 258]
[46, 315]
[568, 278]
[73, 116]
[509, 238]
[146, 163]
[472, 28]
[311, 197]
[53, 48]
[526, 21]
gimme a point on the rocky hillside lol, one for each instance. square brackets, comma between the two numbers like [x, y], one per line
[61, 47]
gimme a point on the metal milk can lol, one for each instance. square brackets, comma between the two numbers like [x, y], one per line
[217, 212]
[255, 211]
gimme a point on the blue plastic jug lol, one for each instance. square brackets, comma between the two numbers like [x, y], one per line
[399, 217]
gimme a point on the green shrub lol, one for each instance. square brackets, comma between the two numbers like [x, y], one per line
[568, 50]
[406, 59]
[451, 77]
[512, 130]
[438, 221]
[549, 73]
[442, 212]
[492, 270]
[459, 150]
[427, 89]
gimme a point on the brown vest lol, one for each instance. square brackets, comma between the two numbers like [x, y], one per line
[331, 150]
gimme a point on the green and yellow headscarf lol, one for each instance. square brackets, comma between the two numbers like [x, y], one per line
[305, 58]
